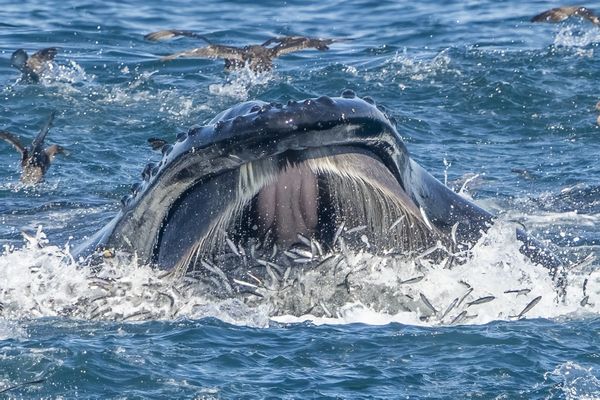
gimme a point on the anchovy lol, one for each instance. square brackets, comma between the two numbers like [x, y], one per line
[428, 303]
[426, 219]
[518, 291]
[302, 260]
[302, 253]
[356, 229]
[255, 278]
[219, 272]
[137, 314]
[453, 232]
[329, 314]
[481, 300]
[243, 283]
[338, 232]
[98, 312]
[412, 280]
[291, 255]
[581, 264]
[233, 247]
[272, 274]
[449, 262]
[459, 318]
[427, 252]
[286, 275]
[464, 296]
[314, 245]
[397, 222]
[19, 385]
[529, 306]
[303, 239]
[450, 307]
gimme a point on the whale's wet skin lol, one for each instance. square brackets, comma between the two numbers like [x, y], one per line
[269, 192]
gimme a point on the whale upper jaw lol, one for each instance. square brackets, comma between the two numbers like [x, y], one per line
[241, 136]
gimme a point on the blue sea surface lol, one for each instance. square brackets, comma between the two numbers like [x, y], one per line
[484, 99]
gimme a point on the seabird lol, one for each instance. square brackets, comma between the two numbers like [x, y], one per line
[33, 66]
[258, 57]
[35, 160]
[559, 14]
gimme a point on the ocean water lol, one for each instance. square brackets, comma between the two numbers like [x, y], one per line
[500, 109]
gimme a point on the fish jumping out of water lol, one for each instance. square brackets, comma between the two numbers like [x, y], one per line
[33, 66]
[287, 175]
[559, 14]
[258, 57]
[35, 160]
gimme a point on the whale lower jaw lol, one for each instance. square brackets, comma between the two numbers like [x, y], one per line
[289, 200]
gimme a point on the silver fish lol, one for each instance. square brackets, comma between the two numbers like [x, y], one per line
[233, 247]
[356, 229]
[428, 303]
[518, 291]
[465, 296]
[338, 232]
[529, 306]
[412, 280]
[450, 307]
[481, 300]
[459, 318]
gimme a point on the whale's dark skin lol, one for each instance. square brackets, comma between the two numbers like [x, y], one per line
[198, 176]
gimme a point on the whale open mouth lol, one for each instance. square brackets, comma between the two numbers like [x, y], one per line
[292, 199]
[273, 176]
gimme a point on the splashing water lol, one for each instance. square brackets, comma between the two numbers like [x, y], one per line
[493, 282]
[72, 73]
[241, 82]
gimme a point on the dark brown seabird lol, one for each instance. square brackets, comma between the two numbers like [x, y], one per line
[35, 160]
[258, 57]
[559, 14]
[33, 66]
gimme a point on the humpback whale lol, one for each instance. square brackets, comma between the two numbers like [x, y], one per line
[257, 57]
[32, 66]
[284, 175]
[274, 176]
[559, 14]
[35, 160]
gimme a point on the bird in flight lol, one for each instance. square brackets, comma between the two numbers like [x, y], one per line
[33, 66]
[562, 13]
[35, 160]
[258, 57]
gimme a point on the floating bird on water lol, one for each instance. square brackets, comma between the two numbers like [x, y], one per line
[562, 13]
[35, 160]
[33, 66]
[156, 143]
[258, 57]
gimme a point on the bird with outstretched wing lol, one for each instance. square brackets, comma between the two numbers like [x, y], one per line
[256, 57]
[559, 14]
[36, 159]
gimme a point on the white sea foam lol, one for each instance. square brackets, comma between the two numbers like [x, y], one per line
[577, 382]
[402, 66]
[41, 280]
[574, 36]
[71, 73]
[240, 82]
